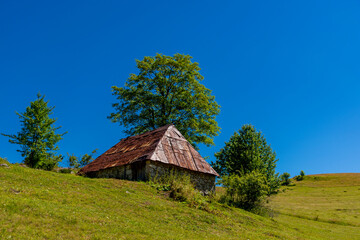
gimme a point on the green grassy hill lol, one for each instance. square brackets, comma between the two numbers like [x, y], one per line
[325, 205]
[36, 204]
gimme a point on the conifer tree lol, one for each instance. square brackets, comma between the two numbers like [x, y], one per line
[248, 151]
[37, 137]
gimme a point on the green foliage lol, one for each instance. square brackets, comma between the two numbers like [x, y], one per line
[167, 90]
[285, 178]
[37, 137]
[300, 177]
[246, 191]
[247, 151]
[79, 162]
[180, 188]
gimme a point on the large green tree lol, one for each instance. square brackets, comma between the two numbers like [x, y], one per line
[248, 151]
[37, 137]
[167, 90]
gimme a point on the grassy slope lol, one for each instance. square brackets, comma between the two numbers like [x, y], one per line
[36, 204]
[326, 206]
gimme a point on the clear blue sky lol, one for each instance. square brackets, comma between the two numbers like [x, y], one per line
[291, 68]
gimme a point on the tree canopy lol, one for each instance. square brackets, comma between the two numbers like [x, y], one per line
[37, 137]
[167, 90]
[247, 151]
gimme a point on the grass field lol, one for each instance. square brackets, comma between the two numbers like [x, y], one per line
[324, 205]
[36, 204]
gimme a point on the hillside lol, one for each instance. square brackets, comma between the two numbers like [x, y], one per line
[36, 204]
[324, 205]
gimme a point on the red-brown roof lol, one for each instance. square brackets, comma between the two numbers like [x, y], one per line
[165, 144]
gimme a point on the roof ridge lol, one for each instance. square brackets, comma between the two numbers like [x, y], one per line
[158, 143]
[150, 131]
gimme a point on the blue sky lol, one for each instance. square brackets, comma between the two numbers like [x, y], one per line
[291, 68]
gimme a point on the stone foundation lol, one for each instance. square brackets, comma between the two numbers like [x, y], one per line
[122, 172]
[145, 171]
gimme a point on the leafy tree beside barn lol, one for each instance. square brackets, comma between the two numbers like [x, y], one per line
[167, 90]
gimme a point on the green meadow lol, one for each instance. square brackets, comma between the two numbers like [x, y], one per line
[37, 204]
[326, 206]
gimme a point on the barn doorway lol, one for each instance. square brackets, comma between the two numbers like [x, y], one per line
[138, 170]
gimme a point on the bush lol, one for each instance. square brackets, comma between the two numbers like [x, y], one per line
[285, 178]
[178, 185]
[180, 188]
[301, 176]
[48, 163]
[245, 192]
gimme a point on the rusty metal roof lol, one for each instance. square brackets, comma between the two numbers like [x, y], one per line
[165, 144]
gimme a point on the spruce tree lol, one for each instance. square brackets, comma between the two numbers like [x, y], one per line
[37, 137]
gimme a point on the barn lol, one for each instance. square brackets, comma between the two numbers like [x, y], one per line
[151, 154]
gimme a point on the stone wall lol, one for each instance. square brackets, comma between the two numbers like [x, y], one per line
[122, 172]
[202, 181]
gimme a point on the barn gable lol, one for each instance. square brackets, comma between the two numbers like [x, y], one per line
[174, 149]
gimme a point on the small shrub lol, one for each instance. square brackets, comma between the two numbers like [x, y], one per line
[245, 191]
[300, 177]
[285, 179]
[180, 189]
[48, 164]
